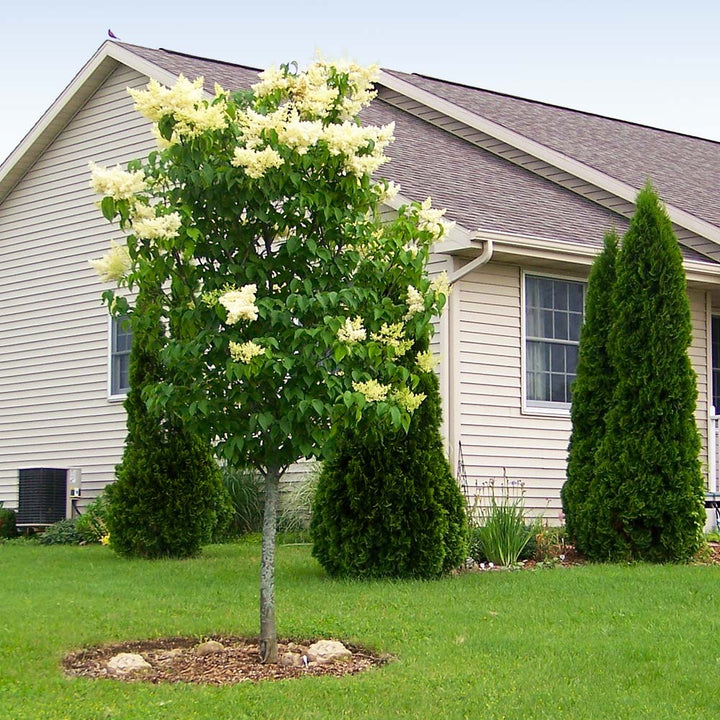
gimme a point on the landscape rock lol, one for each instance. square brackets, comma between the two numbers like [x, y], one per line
[166, 655]
[126, 663]
[209, 648]
[291, 659]
[325, 652]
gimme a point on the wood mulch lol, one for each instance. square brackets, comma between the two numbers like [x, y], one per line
[174, 660]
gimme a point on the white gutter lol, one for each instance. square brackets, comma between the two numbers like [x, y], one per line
[452, 348]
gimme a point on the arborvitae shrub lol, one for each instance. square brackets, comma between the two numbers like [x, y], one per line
[387, 504]
[165, 500]
[592, 393]
[647, 497]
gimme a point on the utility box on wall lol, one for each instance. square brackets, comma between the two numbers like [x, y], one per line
[42, 496]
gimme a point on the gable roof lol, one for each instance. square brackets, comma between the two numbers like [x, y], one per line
[497, 163]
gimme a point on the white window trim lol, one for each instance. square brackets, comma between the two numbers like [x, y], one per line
[541, 408]
[116, 397]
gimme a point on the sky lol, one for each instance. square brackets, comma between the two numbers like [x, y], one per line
[652, 62]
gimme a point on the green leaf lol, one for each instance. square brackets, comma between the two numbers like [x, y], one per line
[108, 208]
[318, 406]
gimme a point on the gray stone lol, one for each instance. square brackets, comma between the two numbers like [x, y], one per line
[324, 652]
[209, 648]
[291, 659]
[126, 663]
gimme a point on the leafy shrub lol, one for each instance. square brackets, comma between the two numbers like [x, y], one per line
[244, 489]
[387, 504]
[8, 527]
[63, 532]
[91, 525]
[501, 532]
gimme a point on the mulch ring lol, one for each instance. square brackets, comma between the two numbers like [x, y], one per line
[175, 660]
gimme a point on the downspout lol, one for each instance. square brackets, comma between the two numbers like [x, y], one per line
[453, 352]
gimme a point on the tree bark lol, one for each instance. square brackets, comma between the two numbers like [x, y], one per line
[268, 636]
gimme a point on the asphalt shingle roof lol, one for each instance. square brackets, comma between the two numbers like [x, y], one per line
[483, 191]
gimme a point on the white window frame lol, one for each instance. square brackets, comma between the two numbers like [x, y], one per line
[122, 394]
[540, 407]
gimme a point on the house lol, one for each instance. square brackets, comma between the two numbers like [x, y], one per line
[532, 188]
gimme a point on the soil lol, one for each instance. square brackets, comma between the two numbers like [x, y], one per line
[174, 660]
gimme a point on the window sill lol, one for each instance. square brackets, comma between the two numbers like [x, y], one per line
[116, 398]
[561, 412]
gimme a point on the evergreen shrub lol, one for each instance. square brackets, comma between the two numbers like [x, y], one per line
[387, 504]
[168, 491]
[63, 532]
[592, 393]
[647, 498]
[92, 524]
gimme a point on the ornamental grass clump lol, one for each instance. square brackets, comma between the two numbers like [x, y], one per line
[502, 530]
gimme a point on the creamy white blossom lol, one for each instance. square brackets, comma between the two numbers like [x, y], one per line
[256, 162]
[431, 219]
[116, 182]
[407, 399]
[387, 191]
[440, 285]
[185, 101]
[415, 301]
[245, 352]
[154, 227]
[352, 331]
[372, 390]
[114, 265]
[393, 336]
[426, 361]
[240, 304]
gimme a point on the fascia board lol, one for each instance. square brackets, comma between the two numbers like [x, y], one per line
[544, 153]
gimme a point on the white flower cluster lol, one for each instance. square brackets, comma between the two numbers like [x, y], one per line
[352, 142]
[114, 265]
[184, 101]
[372, 390]
[415, 301]
[245, 352]
[352, 331]
[155, 227]
[432, 220]
[116, 182]
[240, 304]
[387, 191]
[314, 92]
[392, 336]
[440, 284]
[256, 162]
[426, 361]
[407, 399]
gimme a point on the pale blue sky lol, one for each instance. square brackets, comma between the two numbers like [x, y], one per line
[653, 62]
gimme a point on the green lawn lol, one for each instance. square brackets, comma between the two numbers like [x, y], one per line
[590, 642]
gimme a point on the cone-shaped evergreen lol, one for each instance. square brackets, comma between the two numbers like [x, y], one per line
[592, 392]
[387, 504]
[647, 498]
[168, 490]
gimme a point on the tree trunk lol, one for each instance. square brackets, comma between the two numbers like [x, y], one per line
[268, 637]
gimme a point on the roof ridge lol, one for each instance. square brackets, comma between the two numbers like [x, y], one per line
[543, 103]
[190, 55]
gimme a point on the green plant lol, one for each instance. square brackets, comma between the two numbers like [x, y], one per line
[502, 532]
[91, 525]
[647, 498]
[296, 503]
[63, 532]
[165, 500]
[592, 391]
[244, 489]
[8, 527]
[387, 504]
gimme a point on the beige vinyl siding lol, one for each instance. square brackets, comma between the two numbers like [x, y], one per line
[54, 408]
[497, 437]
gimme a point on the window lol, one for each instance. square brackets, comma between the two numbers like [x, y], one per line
[120, 343]
[715, 343]
[553, 318]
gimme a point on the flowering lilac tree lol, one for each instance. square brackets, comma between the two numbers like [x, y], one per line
[291, 306]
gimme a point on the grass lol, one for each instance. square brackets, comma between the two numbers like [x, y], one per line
[589, 642]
